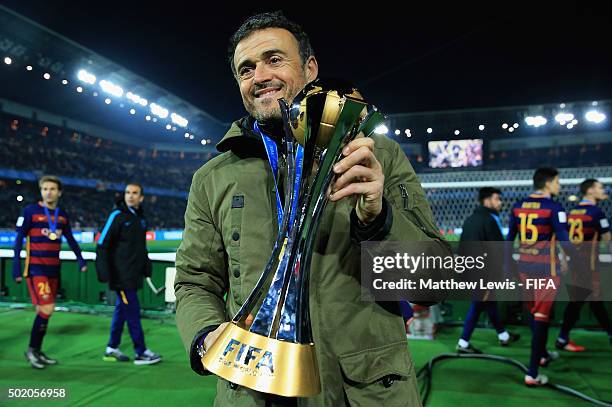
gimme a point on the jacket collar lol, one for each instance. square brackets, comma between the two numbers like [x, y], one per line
[484, 209]
[242, 138]
[120, 205]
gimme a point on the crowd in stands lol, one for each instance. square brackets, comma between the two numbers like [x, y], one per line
[88, 208]
[27, 145]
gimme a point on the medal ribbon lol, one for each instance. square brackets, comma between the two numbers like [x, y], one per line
[272, 152]
[52, 223]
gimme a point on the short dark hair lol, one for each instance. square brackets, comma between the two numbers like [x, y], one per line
[487, 192]
[544, 175]
[586, 185]
[137, 185]
[275, 19]
[50, 178]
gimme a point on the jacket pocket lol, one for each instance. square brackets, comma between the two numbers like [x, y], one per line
[415, 207]
[380, 376]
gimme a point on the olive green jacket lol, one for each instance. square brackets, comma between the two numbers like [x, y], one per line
[230, 229]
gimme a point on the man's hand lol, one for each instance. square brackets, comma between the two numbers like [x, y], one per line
[83, 269]
[18, 279]
[360, 174]
[214, 335]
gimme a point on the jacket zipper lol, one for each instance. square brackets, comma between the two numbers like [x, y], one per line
[404, 192]
[418, 220]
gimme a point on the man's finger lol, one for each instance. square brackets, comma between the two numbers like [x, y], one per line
[356, 188]
[358, 173]
[358, 143]
[362, 155]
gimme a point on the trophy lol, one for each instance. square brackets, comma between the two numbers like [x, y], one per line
[275, 353]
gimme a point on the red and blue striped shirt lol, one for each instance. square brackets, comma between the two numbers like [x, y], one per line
[539, 222]
[42, 253]
[587, 223]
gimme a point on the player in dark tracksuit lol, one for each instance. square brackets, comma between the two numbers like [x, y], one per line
[484, 225]
[540, 223]
[122, 261]
[43, 225]
[588, 226]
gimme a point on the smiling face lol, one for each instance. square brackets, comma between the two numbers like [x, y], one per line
[269, 67]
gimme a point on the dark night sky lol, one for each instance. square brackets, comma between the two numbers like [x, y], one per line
[402, 59]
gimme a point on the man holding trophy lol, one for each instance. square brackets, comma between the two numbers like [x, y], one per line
[268, 272]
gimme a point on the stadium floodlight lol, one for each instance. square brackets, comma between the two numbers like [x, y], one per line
[95, 94]
[570, 126]
[107, 101]
[562, 105]
[408, 133]
[19, 198]
[595, 103]
[381, 129]
[457, 132]
[79, 89]
[86, 77]
[429, 130]
[510, 129]
[147, 117]
[594, 116]
[111, 88]
[64, 81]
[137, 99]
[154, 120]
[8, 60]
[178, 119]
[186, 135]
[481, 127]
[504, 126]
[574, 122]
[397, 132]
[132, 111]
[536, 121]
[562, 118]
[515, 125]
[168, 127]
[29, 68]
[191, 137]
[203, 142]
[47, 75]
[158, 111]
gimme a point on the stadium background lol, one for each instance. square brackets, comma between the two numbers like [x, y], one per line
[55, 118]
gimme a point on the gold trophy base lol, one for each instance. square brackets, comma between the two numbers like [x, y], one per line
[264, 364]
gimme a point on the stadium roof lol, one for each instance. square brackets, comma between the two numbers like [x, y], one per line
[29, 44]
[403, 60]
